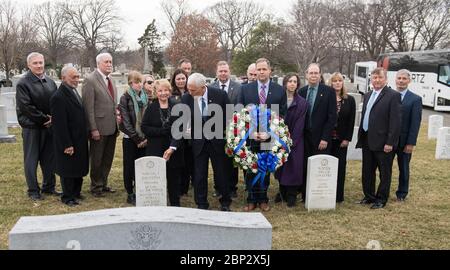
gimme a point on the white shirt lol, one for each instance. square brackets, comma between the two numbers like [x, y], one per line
[227, 85]
[104, 77]
[205, 97]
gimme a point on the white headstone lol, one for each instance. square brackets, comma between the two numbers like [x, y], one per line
[9, 100]
[151, 182]
[143, 228]
[3, 123]
[443, 143]
[359, 109]
[321, 183]
[435, 122]
[4, 137]
[353, 153]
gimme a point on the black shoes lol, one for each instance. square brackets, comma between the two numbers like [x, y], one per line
[98, 194]
[225, 208]
[365, 201]
[401, 199]
[36, 197]
[378, 205]
[108, 190]
[131, 199]
[72, 203]
[52, 193]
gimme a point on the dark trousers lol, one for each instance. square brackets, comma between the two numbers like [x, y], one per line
[340, 153]
[311, 149]
[38, 149]
[403, 161]
[71, 188]
[234, 176]
[371, 161]
[130, 154]
[257, 193]
[187, 172]
[101, 154]
[219, 161]
[289, 193]
[173, 185]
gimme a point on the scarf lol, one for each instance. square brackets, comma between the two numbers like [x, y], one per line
[139, 104]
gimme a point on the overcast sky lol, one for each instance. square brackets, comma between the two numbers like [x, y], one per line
[140, 13]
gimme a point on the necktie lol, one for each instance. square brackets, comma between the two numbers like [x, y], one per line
[77, 95]
[223, 87]
[110, 87]
[204, 110]
[262, 95]
[368, 109]
[310, 100]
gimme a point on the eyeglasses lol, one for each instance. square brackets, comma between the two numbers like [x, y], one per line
[149, 82]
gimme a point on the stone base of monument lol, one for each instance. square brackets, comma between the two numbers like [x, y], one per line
[144, 228]
[8, 139]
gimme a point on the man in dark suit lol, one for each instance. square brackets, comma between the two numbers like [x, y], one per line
[411, 118]
[321, 117]
[251, 74]
[204, 103]
[100, 102]
[233, 89]
[261, 92]
[378, 137]
[33, 112]
[70, 136]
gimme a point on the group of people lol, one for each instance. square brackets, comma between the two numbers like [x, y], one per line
[73, 135]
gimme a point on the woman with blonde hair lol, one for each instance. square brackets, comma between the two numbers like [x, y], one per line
[131, 108]
[157, 126]
[343, 131]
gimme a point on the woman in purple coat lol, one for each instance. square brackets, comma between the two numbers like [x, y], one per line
[290, 175]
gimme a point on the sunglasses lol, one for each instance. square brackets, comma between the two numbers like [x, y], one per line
[149, 82]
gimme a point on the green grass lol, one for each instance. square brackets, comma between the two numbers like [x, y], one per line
[422, 222]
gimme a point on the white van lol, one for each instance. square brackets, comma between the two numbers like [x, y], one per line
[362, 75]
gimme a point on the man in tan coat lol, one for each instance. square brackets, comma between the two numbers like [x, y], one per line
[99, 100]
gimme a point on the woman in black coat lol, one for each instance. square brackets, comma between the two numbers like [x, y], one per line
[343, 131]
[157, 125]
[131, 108]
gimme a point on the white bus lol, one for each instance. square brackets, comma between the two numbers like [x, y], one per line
[362, 75]
[430, 71]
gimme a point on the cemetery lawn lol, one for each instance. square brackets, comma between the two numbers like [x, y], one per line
[422, 222]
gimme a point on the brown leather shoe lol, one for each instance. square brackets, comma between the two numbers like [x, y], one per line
[249, 207]
[264, 207]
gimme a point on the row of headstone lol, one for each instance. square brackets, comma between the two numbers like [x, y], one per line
[143, 228]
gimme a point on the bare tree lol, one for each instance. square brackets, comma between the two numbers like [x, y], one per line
[175, 10]
[92, 23]
[234, 22]
[312, 32]
[53, 29]
[8, 35]
[372, 23]
[434, 23]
